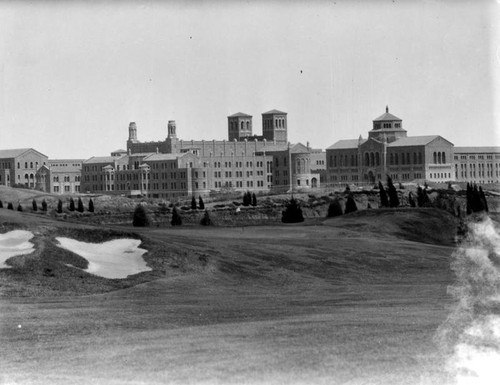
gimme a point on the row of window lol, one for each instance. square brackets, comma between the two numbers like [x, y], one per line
[479, 157]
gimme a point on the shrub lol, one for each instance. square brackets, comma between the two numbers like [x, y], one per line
[334, 209]
[350, 205]
[80, 205]
[292, 213]
[71, 204]
[34, 205]
[205, 221]
[247, 199]
[1, 205]
[140, 217]
[59, 206]
[483, 199]
[19, 207]
[422, 198]
[384, 201]
[44, 205]
[254, 200]
[393, 194]
[411, 201]
[201, 204]
[10, 206]
[176, 218]
[91, 205]
[193, 203]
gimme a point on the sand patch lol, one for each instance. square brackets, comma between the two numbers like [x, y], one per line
[113, 259]
[14, 243]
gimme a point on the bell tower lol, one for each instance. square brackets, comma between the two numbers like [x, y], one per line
[132, 132]
[275, 126]
[172, 141]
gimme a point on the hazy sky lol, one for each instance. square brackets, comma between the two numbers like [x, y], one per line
[73, 75]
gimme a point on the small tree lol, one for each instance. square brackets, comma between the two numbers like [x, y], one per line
[10, 206]
[176, 218]
[384, 201]
[254, 200]
[44, 205]
[19, 207]
[1, 205]
[91, 205]
[247, 198]
[71, 204]
[201, 204]
[35, 206]
[411, 200]
[334, 209]
[350, 205]
[393, 194]
[193, 203]
[292, 213]
[205, 221]
[80, 205]
[59, 206]
[483, 199]
[140, 217]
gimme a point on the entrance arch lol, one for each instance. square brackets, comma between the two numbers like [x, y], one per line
[314, 183]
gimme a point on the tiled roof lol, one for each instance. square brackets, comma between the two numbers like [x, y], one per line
[413, 141]
[16, 152]
[272, 112]
[240, 114]
[476, 150]
[101, 159]
[346, 144]
[154, 157]
[387, 117]
[119, 150]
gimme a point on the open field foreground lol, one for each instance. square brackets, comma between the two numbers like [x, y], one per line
[360, 299]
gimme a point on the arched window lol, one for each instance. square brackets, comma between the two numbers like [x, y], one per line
[372, 159]
[414, 158]
[396, 160]
[377, 158]
[435, 158]
[25, 164]
[367, 159]
[419, 158]
[407, 158]
[242, 127]
[439, 157]
[403, 158]
[276, 122]
[341, 159]
[248, 125]
[346, 161]
[391, 159]
[353, 162]
[443, 158]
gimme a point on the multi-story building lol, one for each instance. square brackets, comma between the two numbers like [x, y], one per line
[243, 162]
[20, 167]
[389, 151]
[64, 175]
[477, 164]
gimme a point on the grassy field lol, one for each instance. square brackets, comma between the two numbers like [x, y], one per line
[351, 300]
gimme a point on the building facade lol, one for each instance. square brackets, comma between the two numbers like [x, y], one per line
[477, 164]
[20, 167]
[388, 150]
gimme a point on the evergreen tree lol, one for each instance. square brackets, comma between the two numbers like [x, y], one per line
[80, 205]
[91, 205]
[368, 206]
[206, 221]
[350, 205]
[59, 206]
[483, 199]
[140, 217]
[292, 213]
[19, 207]
[384, 201]
[44, 205]
[193, 203]
[469, 199]
[201, 204]
[35, 206]
[10, 206]
[71, 204]
[411, 200]
[1, 205]
[254, 200]
[393, 194]
[176, 218]
[477, 203]
[422, 198]
[247, 198]
[334, 209]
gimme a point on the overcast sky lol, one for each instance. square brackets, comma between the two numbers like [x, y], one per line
[73, 75]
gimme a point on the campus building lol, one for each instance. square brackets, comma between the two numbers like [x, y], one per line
[388, 150]
[20, 167]
[174, 167]
[477, 164]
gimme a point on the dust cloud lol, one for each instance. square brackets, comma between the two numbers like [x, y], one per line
[471, 335]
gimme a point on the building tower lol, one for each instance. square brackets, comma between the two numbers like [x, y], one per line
[274, 126]
[239, 126]
[172, 141]
[388, 126]
[132, 132]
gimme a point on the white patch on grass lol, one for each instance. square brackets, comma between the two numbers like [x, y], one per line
[113, 259]
[14, 243]
[473, 329]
